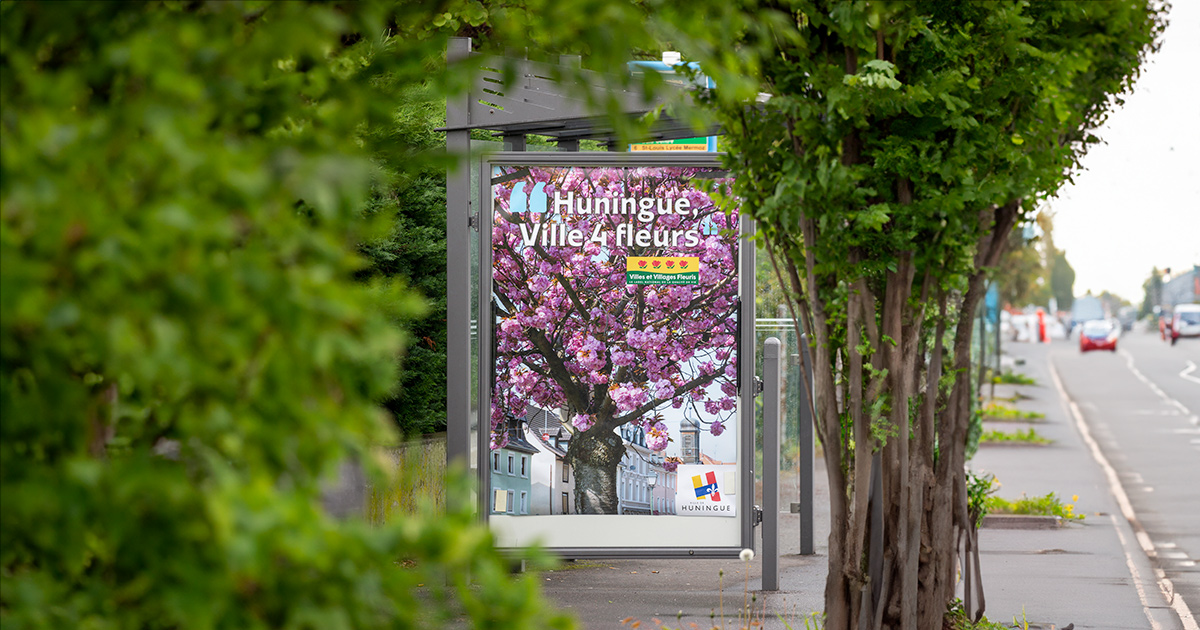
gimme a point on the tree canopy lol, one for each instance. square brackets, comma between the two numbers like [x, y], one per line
[186, 346]
[900, 145]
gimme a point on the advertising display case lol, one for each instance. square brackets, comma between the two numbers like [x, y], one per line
[616, 355]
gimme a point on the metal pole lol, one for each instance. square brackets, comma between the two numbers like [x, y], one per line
[771, 417]
[996, 354]
[983, 365]
[807, 455]
[458, 272]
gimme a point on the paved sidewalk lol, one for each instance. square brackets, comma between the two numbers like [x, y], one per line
[602, 593]
[1082, 573]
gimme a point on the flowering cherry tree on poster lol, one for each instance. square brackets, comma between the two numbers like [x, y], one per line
[573, 333]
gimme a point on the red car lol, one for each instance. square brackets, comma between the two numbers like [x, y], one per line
[1098, 334]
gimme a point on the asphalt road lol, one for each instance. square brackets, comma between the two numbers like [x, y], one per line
[1090, 573]
[1141, 406]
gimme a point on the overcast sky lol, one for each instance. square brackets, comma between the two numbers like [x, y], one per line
[1137, 205]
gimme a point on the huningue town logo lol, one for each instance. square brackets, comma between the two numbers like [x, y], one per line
[706, 486]
[711, 493]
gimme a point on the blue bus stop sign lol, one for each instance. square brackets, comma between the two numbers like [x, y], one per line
[991, 302]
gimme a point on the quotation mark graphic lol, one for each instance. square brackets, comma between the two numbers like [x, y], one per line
[535, 202]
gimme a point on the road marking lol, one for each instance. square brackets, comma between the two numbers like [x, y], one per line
[1137, 577]
[1154, 388]
[1187, 372]
[1118, 491]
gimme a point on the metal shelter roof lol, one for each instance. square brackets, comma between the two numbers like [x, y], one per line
[537, 104]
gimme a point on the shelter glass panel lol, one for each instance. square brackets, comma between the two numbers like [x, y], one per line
[615, 337]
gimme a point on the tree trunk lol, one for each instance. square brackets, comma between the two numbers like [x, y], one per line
[594, 455]
[923, 494]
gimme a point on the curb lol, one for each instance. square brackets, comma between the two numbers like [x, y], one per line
[1020, 521]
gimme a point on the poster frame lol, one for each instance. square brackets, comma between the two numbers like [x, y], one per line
[748, 515]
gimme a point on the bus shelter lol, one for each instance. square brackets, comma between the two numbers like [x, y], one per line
[600, 319]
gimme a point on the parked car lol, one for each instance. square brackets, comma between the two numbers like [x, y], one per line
[1098, 334]
[1127, 316]
[1185, 322]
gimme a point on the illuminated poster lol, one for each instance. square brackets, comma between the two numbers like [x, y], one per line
[615, 306]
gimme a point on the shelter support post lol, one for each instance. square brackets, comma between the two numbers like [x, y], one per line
[458, 271]
[771, 430]
[514, 142]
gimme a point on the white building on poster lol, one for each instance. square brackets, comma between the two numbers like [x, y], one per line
[635, 479]
[552, 484]
[664, 487]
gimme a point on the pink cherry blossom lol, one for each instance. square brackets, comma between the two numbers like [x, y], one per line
[583, 422]
[573, 334]
[656, 437]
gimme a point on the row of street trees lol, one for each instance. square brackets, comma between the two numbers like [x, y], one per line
[1034, 270]
[191, 335]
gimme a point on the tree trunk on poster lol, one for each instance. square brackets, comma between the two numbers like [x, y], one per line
[595, 457]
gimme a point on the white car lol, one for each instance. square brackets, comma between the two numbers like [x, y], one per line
[1185, 322]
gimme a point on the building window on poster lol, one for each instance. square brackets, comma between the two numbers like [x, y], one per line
[615, 294]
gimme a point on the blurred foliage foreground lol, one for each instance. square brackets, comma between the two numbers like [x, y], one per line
[185, 352]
